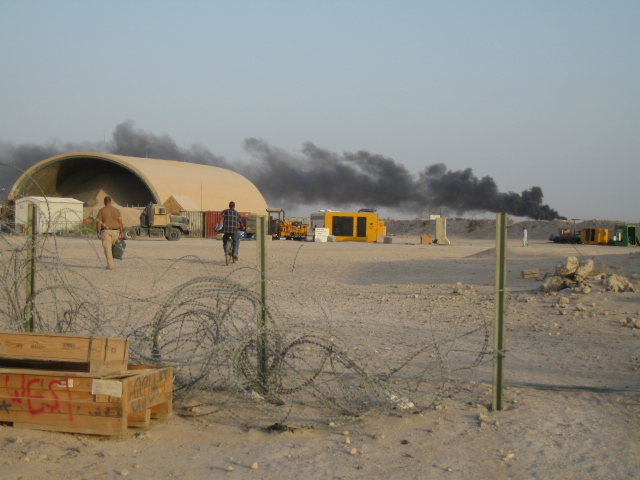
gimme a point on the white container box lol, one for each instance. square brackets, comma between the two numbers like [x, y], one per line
[53, 214]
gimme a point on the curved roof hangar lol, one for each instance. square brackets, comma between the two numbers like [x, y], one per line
[133, 181]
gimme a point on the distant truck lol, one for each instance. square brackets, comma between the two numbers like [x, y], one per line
[565, 235]
[156, 222]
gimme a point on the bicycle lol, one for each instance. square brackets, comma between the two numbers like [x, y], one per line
[228, 250]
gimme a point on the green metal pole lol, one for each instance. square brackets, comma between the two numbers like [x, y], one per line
[31, 265]
[261, 263]
[498, 323]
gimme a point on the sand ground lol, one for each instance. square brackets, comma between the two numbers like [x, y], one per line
[571, 404]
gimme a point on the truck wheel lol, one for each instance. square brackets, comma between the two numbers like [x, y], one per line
[129, 233]
[173, 234]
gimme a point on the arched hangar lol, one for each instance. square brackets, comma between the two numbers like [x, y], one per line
[135, 182]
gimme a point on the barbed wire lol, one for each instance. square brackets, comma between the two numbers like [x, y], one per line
[301, 364]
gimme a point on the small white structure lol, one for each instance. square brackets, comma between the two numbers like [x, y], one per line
[321, 234]
[53, 214]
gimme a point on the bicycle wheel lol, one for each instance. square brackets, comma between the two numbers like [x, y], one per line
[227, 252]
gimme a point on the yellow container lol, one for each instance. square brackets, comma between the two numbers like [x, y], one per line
[594, 236]
[350, 226]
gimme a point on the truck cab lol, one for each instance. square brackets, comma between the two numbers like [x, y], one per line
[156, 222]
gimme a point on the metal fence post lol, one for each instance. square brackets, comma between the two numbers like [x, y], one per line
[498, 323]
[261, 264]
[31, 266]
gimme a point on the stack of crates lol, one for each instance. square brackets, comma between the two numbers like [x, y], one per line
[78, 384]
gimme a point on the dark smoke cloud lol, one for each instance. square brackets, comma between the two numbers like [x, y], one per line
[132, 142]
[314, 176]
[461, 190]
[318, 175]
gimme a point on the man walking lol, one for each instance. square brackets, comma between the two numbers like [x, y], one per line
[109, 228]
[525, 242]
[231, 220]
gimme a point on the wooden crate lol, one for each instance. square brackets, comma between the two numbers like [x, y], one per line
[97, 355]
[78, 384]
[79, 403]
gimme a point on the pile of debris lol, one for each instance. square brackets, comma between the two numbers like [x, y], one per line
[574, 274]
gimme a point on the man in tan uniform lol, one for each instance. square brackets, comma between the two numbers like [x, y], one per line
[109, 228]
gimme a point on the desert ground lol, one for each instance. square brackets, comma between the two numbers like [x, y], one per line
[415, 318]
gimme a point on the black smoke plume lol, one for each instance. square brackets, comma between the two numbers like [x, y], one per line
[317, 175]
[313, 176]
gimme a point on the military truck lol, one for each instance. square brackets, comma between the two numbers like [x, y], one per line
[156, 222]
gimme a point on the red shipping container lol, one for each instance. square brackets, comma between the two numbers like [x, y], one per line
[212, 218]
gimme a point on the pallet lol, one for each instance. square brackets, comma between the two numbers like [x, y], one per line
[34, 393]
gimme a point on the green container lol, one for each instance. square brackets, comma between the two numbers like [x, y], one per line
[625, 236]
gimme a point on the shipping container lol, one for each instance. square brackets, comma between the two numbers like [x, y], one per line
[594, 236]
[212, 218]
[625, 236]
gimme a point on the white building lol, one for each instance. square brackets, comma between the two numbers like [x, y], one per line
[53, 213]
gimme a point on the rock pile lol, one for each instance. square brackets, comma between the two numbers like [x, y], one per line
[618, 283]
[574, 274]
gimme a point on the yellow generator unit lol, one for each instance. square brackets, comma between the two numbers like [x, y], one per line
[350, 226]
[279, 227]
[594, 236]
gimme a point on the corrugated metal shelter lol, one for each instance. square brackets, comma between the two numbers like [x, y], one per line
[196, 222]
[135, 182]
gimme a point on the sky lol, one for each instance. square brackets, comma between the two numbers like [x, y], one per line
[526, 94]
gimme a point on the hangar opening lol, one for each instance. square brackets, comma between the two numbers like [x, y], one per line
[87, 180]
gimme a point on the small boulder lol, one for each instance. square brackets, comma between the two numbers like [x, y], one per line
[568, 267]
[554, 284]
[584, 288]
[583, 271]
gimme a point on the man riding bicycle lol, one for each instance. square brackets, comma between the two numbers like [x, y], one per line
[231, 222]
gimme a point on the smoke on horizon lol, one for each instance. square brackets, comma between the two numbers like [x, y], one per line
[314, 176]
